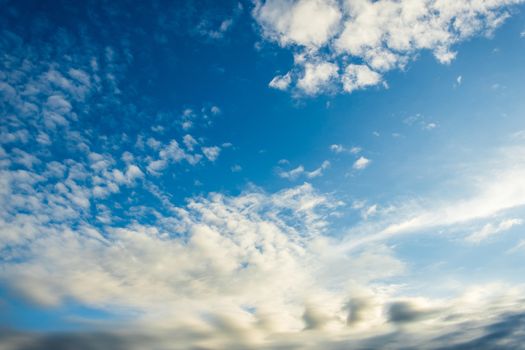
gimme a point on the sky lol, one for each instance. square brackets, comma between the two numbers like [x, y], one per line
[266, 174]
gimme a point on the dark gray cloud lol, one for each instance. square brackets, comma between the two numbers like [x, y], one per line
[506, 332]
[404, 312]
[358, 309]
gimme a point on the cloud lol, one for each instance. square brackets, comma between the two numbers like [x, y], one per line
[317, 76]
[421, 121]
[493, 192]
[490, 229]
[519, 246]
[364, 39]
[217, 250]
[215, 110]
[309, 23]
[336, 148]
[91, 228]
[173, 153]
[407, 311]
[361, 163]
[292, 174]
[319, 171]
[189, 142]
[281, 82]
[300, 171]
[358, 76]
[212, 153]
[410, 324]
[215, 29]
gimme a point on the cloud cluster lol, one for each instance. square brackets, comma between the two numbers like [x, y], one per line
[349, 45]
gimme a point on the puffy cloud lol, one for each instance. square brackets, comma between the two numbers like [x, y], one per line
[317, 76]
[383, 35]
[361, 163]
[212, 153]
[221, 248]
[337, 148]
[189, 142]
[173, 153]
[358, 76]
[308, 22]
[220, 271]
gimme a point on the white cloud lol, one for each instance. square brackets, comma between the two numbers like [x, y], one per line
[383, 34]
[336, 148]
[369, 212]
[430, 126]
[307, 22]
[292, 174]
[493, 192]
[358, 76]
[173, 153]
[215, 110]
[490, 229]
[317, 77]
[361, 163]
[216, 32]
[281, 82]
[187, 124]
[319, 171]
[189, 142]
[212, 153]
[153, 143]
[300, 171]
[355, 150]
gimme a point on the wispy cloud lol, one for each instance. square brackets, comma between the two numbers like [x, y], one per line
[295, 173]
[490, 229]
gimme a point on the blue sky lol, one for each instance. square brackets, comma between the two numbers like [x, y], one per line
[267, 174]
